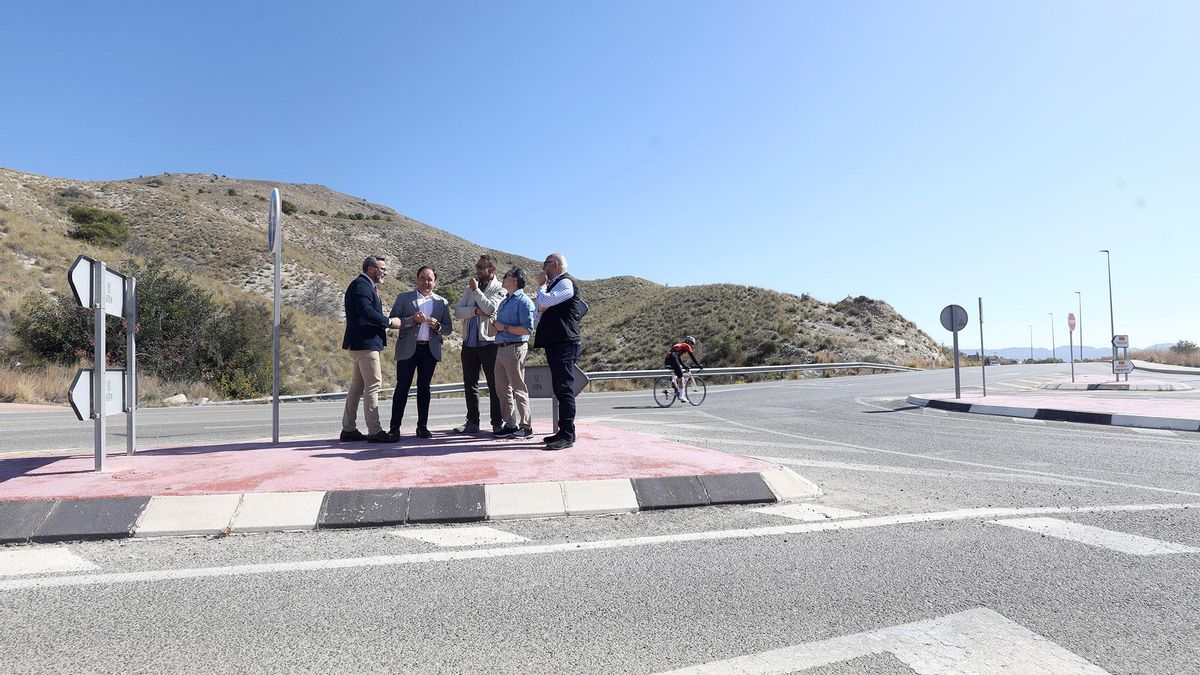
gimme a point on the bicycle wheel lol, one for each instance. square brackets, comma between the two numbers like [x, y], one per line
[664, 392]
[696, 390]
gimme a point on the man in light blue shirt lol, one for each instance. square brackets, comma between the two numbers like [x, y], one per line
[513, 324]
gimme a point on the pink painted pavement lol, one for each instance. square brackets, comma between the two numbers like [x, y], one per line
[317, 464]
[1178, 408]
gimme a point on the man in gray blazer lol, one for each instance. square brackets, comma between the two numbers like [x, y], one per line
[424, 320]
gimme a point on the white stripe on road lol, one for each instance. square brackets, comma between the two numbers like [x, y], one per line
[808, 512]
[1026, 420]
[461, 536]
[1152, 432]
[975, 641]
[574, 547]
[1095, 536]
[41, 561]
[932, 473]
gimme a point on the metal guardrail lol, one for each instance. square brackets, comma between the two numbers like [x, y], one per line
[605, 375]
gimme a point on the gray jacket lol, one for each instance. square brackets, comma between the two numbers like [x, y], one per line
[405, 307]
[486, 298]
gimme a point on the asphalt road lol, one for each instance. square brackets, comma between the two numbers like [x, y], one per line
[944, 543]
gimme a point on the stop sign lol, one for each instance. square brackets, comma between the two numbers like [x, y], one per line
[1071, 321]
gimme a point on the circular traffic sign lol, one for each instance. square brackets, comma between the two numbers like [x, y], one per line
[1071, 321]
[954, 318]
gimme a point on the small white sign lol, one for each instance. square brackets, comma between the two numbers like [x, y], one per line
[1123, 366]
[1121, 341]
[80, 278]
[80, 394]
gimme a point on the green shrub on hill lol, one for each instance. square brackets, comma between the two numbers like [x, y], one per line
[98, 226]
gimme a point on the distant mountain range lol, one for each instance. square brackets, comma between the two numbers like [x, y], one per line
[1039, 353]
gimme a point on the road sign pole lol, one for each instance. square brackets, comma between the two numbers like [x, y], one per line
[130, 365]
[98, 439]
[1072, 336]
[957, 391]
[275, 360]
[982, 351]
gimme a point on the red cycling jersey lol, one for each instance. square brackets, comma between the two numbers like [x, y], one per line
[679, 349]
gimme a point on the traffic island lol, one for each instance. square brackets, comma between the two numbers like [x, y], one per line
[308, 483]
[1174, 414]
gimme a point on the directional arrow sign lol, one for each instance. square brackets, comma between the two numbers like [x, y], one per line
[1123, 366]
[80, 394]
[537, 378]
[80, 277]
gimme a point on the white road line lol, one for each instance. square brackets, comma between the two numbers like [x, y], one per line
[935, 411]
[933, 473]
[41, 561]
[808, 512]
[1027, 420]
[975, 641]
[461, 536]
[1096, 536]
[839, 444]
[571, 547]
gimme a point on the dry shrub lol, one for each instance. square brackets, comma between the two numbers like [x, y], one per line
[1168, 357]
[47, 384]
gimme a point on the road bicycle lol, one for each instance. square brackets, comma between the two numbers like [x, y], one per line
[665, 394]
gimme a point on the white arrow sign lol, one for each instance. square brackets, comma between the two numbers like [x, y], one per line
[80, 394]
[80, 278]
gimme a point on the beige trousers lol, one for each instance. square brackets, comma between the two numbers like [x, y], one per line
[364, 384]
[510, 386]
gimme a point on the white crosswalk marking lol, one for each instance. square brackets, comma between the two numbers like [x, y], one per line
[808, 512]
[462, 536]
[1153, 432]
[1095, 536]
[975, 641]
[1026, 420]
[41, 561]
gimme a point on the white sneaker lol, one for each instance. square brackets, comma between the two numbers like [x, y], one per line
[683, 397]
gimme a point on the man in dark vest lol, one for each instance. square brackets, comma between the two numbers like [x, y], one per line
[365, 337]
[558, 305]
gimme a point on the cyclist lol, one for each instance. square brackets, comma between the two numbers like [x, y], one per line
[674, 361]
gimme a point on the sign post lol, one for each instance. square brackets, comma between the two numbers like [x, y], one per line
[1071, 335]
[100, 392]
[982, 351]
[1123, 365]
[275, 244]
[540, 385]
[954, 319]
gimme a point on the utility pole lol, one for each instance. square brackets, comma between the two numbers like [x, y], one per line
[1079, 324]
[1111, 324]
[1053, 348]
[1030, 342]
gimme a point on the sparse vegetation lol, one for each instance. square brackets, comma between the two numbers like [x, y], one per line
[98, 226]
[287, 207]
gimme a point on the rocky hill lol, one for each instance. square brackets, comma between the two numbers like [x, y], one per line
[213, 228]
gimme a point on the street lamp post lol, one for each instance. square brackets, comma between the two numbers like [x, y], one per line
[1079, 324]
[1053, 348]
[1112, 331]
[1030, 342]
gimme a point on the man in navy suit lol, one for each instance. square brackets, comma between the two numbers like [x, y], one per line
[365, 338]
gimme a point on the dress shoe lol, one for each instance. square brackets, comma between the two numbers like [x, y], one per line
[423, 432]
[467, 428]
[554, 437]
[560, 444]
[380, 436]
[505, 432]
[393, 436]
[349, 436]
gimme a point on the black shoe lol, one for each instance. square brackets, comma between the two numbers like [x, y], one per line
[350, 436]
[394, 436]
[380, 436]
[504, 432]
[561, 444]
[497, 427]
[422, 432]
[466, 428]
[555, 437]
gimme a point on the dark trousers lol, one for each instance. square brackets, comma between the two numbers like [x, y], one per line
[562, 358]
[422, 363]
[475, 359]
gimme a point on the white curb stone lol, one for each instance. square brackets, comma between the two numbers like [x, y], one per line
[788, 485]
[278, 512]
[614, 495]
[524, 500]
[180, 515]
[1155, 422]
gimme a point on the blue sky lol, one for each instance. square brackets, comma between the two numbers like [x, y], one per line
[923, 153]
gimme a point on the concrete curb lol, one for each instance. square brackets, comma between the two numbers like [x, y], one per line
[119, 518]
[1061, 415]
[1151, 367]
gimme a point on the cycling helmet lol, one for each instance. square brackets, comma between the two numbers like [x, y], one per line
[690, 340]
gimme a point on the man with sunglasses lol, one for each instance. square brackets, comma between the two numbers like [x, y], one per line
[477, 310]
[365, 337]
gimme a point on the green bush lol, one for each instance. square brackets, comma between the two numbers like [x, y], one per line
[183, 334]
[288, 208]
[231, 192]
[1185, 347]
[98, 226]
